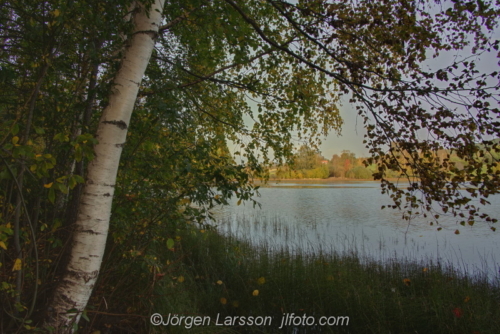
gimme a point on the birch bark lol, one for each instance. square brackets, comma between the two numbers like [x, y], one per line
[91, 228]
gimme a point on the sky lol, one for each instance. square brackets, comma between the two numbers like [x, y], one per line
[351, 137]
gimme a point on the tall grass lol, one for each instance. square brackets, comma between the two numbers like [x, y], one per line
[211, 274]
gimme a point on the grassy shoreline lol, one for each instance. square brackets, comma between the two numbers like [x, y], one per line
[220, 277]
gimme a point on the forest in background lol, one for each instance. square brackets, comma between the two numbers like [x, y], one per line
[309, 163]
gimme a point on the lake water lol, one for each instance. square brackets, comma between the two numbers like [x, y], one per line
[347, 217]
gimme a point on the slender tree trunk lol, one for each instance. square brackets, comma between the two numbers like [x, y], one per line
[20, 182]
[72, 208]
[91, 227]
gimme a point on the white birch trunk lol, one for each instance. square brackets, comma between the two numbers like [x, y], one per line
[91, 230]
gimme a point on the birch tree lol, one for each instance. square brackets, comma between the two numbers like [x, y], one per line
[91, 228]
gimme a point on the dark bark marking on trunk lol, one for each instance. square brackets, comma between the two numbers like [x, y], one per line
[121, 124]
[90, 276]
[82, 275]
[67, 300]
[89, 232]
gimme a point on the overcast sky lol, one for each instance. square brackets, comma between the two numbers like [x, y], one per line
[351, 138]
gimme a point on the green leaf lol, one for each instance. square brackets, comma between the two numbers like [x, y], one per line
[62, 137]
[78, 178]
[62, 188]
[84, 316]
[72, 182]
[170, 243]
[52, 195]
[57, 224]
[15, 129]
[78, 153]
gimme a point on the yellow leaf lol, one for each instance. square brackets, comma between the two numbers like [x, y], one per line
[466, 299]
[239, 202]
[255, 293]
[56, 13]
[223, 301]
[15, 140]
[2, 245]
[48, 185]
[17, 265]
[180, 279]
[261, 280]
[219, 282]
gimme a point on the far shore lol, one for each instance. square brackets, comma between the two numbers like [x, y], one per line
[333, 180]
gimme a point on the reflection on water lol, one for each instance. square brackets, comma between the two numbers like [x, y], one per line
[347, 217]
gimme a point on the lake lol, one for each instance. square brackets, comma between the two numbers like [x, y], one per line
[346, 217]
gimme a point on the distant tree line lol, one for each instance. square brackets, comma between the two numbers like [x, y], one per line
[309, 163]
[346, 165]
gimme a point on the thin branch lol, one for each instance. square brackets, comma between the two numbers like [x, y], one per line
[209, 76]
[32, 307]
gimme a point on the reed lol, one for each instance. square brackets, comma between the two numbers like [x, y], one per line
[220, 274]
